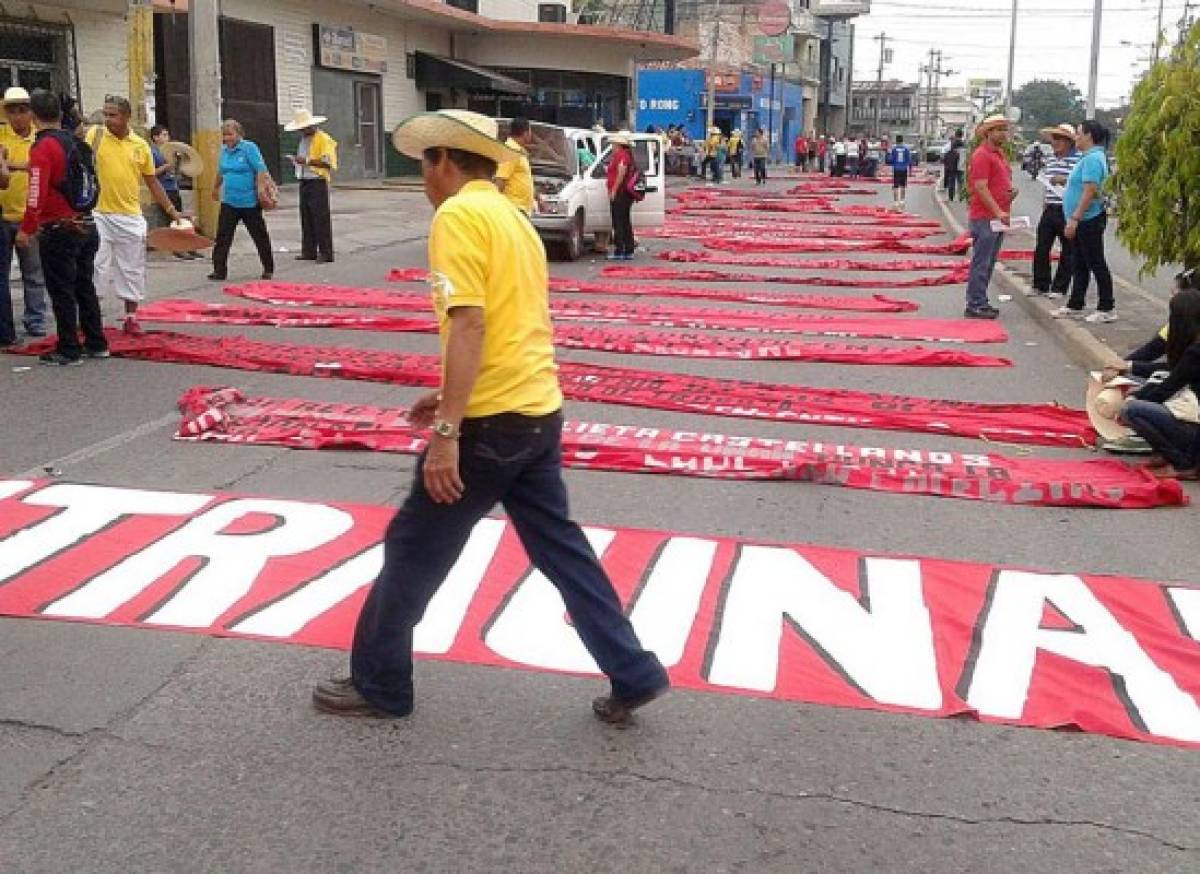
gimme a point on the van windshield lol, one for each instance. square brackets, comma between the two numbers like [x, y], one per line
[551, 149]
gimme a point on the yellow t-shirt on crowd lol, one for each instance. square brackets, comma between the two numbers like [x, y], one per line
[121, 162]
[518, 178]
[12, 199]
[483, 253]
[323, 148]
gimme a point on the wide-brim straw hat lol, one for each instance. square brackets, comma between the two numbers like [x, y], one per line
[1104, 402]
[179, 236]
[1064, 130]
[621, 138]
[452, 129]
[184, 157]
[991, 123]
[304, 119]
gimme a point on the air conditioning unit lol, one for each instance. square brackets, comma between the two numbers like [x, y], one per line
[552, 13]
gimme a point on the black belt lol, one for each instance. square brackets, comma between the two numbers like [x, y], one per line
[510, 422]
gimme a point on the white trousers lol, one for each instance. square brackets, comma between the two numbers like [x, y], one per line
[121, 259]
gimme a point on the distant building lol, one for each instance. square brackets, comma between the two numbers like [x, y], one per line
[884, 109]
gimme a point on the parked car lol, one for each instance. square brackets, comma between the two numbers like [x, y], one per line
[935, 151]
[571, 201]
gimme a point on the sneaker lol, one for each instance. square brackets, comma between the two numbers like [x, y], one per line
[1102, 317]
[267, 274]
[217, 277]
[57, 359]
[97, 353]
[613, 256]
[1067, 313]
[36, 332]
[1056, 295]
[131, 327]
[341, 698]
[984, 312]
[306, 257]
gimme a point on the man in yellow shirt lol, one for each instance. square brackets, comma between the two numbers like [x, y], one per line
[496, 436]
[515, 178]
[315, 161]
[16, 137]
[123, 163]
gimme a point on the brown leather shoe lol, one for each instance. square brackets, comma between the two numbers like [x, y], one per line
[619, 711]
[340, 698]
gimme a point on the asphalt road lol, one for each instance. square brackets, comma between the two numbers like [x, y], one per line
[133, 750]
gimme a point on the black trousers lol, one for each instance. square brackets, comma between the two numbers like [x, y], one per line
[68, 262]
[227, 222]
[316, 226]
[1089, 262]
[622, 223]
[516, 461]
[1051, 227]
[760, 170]
[950, 181]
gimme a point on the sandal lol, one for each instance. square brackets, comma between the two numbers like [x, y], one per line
[619, 711]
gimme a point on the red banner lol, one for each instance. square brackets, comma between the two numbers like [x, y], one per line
[225, 415]
[876, 303]
[834, 232]
[627, 341]
[836, 627]
[1046, 424]
[954, 277]
[701, 256]
[656, 315]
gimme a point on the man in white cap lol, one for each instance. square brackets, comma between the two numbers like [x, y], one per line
[123, 162]
[992, 194]
[315, 161]
[496, 436]
[16, 139]
[1053, 224]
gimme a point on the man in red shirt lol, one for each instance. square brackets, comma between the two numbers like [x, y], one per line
[67, 239]
[989, 181]
[620, 200]
[802, 153]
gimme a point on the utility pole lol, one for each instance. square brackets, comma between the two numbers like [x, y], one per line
[204, 46]
[140, 53]
[1158, 31]
[1012, 58]
[879, 79]
[1094, 69]
[710, 76]
[927, 104]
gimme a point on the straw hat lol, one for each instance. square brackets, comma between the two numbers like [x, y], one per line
[303, 119]
[1104, 402]
[16, 95]
[621, 138]
[1064, 130]
[990, 123]
[451, 129]
[179, 236]
[184, 157]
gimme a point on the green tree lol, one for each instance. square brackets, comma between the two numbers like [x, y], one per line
[1157, 182]
[1046, 103]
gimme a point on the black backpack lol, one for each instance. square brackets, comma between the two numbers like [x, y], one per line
[80, 186]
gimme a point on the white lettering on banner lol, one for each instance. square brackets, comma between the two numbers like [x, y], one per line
[445, 613]
[885, 648]
[8, 488]
[1186, 605]
[85, 511]
[231, 562]
[1012, 635]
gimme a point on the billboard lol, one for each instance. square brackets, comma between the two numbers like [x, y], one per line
[775, 49]
[840, 8]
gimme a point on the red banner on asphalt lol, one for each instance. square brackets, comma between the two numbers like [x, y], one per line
[954, 277]
[1046, 424]
[836, 627]
[656, 315]
[890, 265]
[226, 415]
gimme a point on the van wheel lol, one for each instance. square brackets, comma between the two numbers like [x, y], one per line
[573, 244]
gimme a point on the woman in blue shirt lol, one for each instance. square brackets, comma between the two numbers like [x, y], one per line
[1083, 206]
[240, 172]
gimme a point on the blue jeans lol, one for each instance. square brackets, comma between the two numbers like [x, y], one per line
[1178, 442]
[985, 251]
[31, 280]
[517, 461]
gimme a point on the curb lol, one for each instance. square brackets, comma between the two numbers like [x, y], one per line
[1079, 343]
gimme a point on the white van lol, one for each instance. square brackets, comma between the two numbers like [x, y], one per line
[571, 201]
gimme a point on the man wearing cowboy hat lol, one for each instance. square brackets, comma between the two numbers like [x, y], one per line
[496, 436]
[16, 139]
[315, 160]
[1053, 223]
[992, 193]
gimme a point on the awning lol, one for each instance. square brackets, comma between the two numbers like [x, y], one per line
[434, 71]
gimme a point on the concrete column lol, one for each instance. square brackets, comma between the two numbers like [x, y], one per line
[139, 18]
[206, 105]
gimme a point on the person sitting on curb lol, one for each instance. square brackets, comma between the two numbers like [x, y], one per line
[1166, 413]
[1149, 358]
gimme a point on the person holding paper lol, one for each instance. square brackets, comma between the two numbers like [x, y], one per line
[992, 194]
[1053, 223]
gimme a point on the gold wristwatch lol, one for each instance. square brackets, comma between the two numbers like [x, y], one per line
[445, 429]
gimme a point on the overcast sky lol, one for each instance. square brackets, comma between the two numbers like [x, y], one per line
[1053, 40]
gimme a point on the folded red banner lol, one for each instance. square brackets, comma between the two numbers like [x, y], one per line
[898, 633]
[625, 341]
[226, 415]
[812, 232]
[701, 256]
[1046, 424]
[954, 277]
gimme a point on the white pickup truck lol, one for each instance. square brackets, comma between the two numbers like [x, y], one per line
[571, 200]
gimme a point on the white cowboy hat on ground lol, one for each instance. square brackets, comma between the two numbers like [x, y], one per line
[1064, 130]
[1104, 402]
[302, 120]
[16, 95]
[183, 156]
[452, 129]
[179, 236]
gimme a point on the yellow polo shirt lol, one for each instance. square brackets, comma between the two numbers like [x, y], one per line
[12, 199]
[518, 178]
[483, 253]
[120, 165]
[323, 147]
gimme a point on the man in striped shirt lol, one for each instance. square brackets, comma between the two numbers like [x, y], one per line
[1053, 223]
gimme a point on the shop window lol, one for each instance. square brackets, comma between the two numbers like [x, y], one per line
[465, 5]
[35, 56]
[552, 13]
